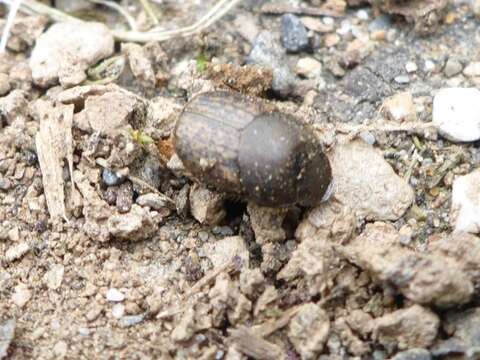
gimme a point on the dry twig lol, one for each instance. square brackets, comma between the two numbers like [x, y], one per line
[215, 13]
[113, 5]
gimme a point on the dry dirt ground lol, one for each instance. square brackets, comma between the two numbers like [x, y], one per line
[109, 251]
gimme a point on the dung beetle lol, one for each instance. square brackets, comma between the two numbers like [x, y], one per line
[231, 142]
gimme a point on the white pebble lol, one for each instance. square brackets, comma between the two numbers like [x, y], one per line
[362, 14]
[472, 69]
[456, 113]
[118, 310]
[308, 67]
[465, 213]
[115, 295]
[345, 27]
[327, 20]
[429, 66]
[411, 67]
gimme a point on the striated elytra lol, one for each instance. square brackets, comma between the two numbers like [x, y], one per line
[231, 142]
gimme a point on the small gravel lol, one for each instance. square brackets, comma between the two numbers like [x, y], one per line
[294, 34]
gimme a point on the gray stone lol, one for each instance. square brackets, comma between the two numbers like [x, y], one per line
[382, 22]
[206, 206]
[448, 347]
[294, 34]
[112, 178]
[5, 184]
[368, 137]
[267, 52]
[130, 320]
[7, 332]
[151, 200]
[465, 343]
[413, 354]
[223, 251]
[181, 201]
[136, 225]
[452, 68]
[402, 79]
[365, 85]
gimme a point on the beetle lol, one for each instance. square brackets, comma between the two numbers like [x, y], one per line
[233, 143]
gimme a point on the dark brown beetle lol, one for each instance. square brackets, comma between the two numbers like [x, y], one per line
[229, 141]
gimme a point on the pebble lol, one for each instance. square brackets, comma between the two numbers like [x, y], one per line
[151, 200]
[222, 230]
[475, 7]
[402, 79]
[400, 107]
[115, 295]
[411, 67]
[60, 349]
[7, 332]
[137, 224]
[379, 194]
[66, 50]
[206, 206]
[5, 184]
[4, 84]
[316, 25]
[472, 69]
[308, 67]
[466, 339]
[53, 278]
[452, 68]
[112, 178]
[118, 310]
[379, 355]
[363, 14]
[413, 327]
[329, 21]
[222, 251]
[267, 52]
[345, 27]
[203, 236]
[182, 202]
[429, 66]
[368, 137]
[17, 251]
[456, 113]
[130, 320]
[465, 211]
[413, 354]
[83, 331]
[382, 22]
[331, 40]
[308, 330]
[294, 34]
[22, 295]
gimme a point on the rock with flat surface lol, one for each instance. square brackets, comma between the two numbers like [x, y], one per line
[136, 225]
[223, 251]
[66, 50]
[365, 182]
[206, 206]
